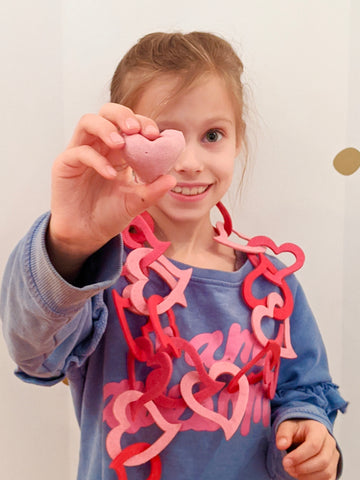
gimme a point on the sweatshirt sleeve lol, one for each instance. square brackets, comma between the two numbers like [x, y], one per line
[305, 389]
[49, 324]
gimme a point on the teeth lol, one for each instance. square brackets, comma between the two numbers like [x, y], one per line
[189, 190]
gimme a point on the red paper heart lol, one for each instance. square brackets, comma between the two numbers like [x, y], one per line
[140, 230]
[271, 370]
[152, 158]
[131, 450]
[121, 304]
[156, 381]
[164, 339]
[270, 355]
[144, 345]
[153, 325]
[280, 312]
[144, 227]
[279, 275]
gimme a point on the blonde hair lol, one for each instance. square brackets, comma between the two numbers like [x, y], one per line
[188, 57]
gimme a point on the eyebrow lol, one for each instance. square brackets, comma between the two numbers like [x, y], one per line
[163, 123]
[218, 119]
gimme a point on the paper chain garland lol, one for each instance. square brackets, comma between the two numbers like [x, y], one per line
[170, 346]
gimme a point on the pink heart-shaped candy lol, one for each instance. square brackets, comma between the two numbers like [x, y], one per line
[152, 158]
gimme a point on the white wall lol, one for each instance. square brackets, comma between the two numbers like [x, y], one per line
[302, 70]
[351, 310]
[33, 421]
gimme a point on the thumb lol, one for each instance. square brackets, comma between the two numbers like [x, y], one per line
[285, 434]
[158, 188]
[147, 194]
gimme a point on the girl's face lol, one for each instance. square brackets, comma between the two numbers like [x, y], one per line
[204, 170]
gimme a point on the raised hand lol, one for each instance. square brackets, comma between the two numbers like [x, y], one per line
[94, 194]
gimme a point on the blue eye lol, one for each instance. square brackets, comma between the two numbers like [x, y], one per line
[213, 136]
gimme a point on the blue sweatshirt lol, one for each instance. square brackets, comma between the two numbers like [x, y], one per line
[55, 330]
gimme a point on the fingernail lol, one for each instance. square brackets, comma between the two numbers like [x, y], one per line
[116, 138]
[282, 442]
[151, 131]
[131, 123]
[111, 171]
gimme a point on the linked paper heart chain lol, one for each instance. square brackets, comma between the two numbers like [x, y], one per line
[262, 369]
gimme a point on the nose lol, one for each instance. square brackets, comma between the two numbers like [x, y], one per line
[189, 161]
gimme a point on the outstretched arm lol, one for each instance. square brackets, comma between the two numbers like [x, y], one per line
[94, 197]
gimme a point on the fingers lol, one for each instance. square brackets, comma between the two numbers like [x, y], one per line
[92, 128]
[315, 455]
[146, 195]
[285, 434]
[128, 122]
[74, 161]
[320, 467]
[148, 127]
[107, 126]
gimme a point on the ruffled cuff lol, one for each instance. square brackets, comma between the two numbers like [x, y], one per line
[321, 400]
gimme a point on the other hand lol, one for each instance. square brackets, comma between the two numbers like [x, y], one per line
[315, 456]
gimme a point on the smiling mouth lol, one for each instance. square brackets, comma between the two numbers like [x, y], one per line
[190, 191]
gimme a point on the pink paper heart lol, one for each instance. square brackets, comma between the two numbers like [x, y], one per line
[152, 158]
[176, 278]
[283, 338]
[228, 425]
[113, 440]
[209, 386]
[223, 238]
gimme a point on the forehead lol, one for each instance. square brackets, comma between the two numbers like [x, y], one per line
[165, 96]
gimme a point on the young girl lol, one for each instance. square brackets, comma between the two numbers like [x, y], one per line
[189, 355]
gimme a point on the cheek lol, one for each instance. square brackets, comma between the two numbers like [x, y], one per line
[230, 171]
[227, 165]
[225, 173]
